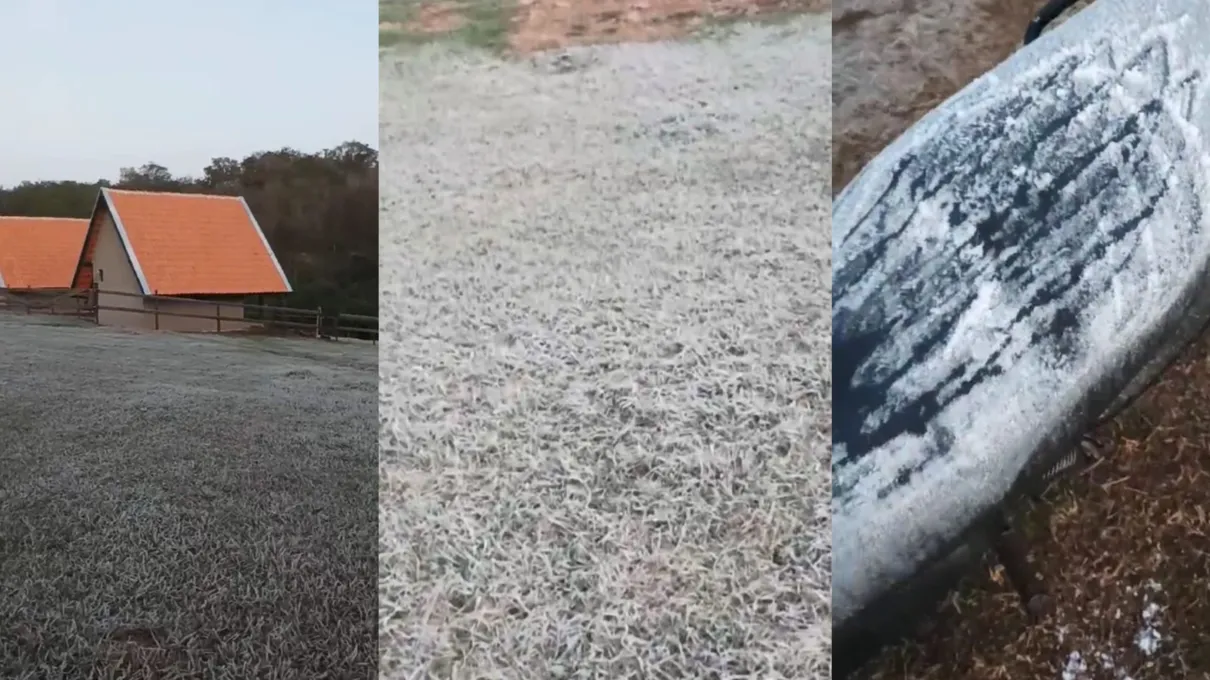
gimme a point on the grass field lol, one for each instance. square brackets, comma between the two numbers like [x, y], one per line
[605, 360]
[184, 506]
[1122, 548]
[478, 23]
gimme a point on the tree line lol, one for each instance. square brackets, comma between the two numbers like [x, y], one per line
[319, 212]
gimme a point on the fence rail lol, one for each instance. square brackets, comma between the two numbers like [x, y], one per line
[60, 301]
[87, 303]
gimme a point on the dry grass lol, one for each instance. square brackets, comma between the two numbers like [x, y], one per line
[184, 507]
[479, 23]
[605, 362]
[1122, 547]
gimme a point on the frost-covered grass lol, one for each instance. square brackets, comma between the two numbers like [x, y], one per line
[184, 506]
[606, 360]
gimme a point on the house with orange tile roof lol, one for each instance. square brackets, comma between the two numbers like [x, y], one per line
[151, 256]
[38, 255]
[39, 252]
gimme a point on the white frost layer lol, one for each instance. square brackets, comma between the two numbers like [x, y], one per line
[999, 424]
[605, 361]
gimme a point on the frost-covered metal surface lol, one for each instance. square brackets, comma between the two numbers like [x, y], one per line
[1004, 269]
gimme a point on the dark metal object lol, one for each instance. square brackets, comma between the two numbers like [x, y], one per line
[1087, 453]
[1013, 554]
[1045, 16]
[1010, 546]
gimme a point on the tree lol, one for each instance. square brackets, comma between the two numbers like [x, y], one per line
[150, 177]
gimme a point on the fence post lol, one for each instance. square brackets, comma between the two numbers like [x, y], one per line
[155, 302]
[319, 315]
[218, 317]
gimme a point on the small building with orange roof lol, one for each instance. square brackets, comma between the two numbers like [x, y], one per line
[39, 253]
[151, 256]
[37, 259]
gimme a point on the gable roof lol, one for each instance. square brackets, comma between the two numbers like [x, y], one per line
[192, 244]
[39, 252]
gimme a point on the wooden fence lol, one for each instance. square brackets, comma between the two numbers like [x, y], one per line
[226, 315]
[63, 302]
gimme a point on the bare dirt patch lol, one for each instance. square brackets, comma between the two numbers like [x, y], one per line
[552, 24]
[526, 26]
[428, 18]
[438, 17]
[1123, 547]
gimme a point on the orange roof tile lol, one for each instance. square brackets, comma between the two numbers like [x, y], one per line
[194, 244]
[39, 252]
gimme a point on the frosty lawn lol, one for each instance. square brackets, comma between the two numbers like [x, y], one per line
[606, 363]
[184, 504]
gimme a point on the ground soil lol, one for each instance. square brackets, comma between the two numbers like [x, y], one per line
[437, 17]
[549, 24]
[1122, 547]
[536, 25]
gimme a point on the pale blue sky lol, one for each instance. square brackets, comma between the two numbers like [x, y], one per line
[88, 87]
